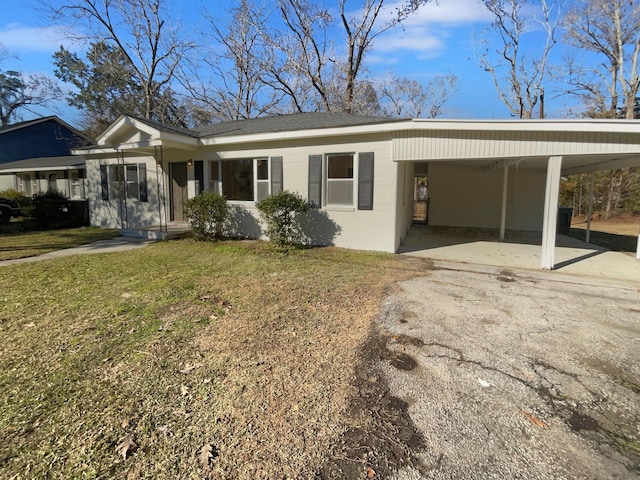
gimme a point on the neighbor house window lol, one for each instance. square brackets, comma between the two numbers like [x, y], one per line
[27, 183]
[339, 170]
[74, 180]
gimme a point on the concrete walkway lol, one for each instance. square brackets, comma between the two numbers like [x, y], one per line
[519, 250]
[118, 244]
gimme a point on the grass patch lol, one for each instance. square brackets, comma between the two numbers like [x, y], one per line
[15, 243]
[183, 360]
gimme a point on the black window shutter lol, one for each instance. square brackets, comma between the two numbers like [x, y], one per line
[104, 182]
[365, 181]
[142, 181]
[276, 175]
[315, 180]
[198, 167]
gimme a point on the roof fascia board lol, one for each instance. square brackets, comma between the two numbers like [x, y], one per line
[560, 125]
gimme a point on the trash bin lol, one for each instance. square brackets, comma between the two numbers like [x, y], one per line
[564, 220]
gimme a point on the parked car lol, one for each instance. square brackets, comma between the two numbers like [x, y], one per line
[8, 208]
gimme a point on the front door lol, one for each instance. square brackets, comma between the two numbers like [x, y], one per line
[178, 174]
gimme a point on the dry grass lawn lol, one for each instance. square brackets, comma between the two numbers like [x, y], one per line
[183, 360]
[17, 244]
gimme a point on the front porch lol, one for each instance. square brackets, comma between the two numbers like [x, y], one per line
[158, 232]
[518, 250]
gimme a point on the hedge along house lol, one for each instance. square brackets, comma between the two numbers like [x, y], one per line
[359, 171]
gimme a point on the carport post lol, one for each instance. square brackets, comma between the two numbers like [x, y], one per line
[550, 219]
[503, 212]
[589, 209]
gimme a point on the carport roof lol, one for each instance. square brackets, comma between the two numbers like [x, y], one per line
[584, 145]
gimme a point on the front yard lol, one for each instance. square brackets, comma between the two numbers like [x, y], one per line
[184, 360]
[15, 243]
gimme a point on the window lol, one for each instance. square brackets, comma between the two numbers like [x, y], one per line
[74, 180]
[133, 188]
[130, 179]
[262, 179]
[27, 183]
[215, 185]
[332, 180]
[243, 179]
[339, 179]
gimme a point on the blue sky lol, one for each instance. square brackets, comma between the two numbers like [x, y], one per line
[436, 40]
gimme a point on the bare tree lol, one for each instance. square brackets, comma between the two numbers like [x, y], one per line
[232, 84]
[518, 76]
[611, 29]
[404, 97]
[20, 91]
[140, 30]
[309, 62]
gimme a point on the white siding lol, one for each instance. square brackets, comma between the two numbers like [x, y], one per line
[111, 213]
[458, 145]
[341, 226]
[467, 196]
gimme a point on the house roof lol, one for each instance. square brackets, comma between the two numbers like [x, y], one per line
[289, 123]
[28, 123]
[44, 163]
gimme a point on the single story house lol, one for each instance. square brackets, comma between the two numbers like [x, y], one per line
[35, 156]
[360, 171]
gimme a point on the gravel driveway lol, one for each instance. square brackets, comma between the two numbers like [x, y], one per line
[517, 374]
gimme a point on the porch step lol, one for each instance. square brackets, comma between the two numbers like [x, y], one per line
[156, 233]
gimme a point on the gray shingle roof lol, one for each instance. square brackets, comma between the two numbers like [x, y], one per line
[288, 123]
[44, 163]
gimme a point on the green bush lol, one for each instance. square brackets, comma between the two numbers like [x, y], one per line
[280, 213]
[26, 203]
[51, 209]
[207, 213]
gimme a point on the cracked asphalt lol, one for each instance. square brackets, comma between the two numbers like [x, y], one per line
[517, 374]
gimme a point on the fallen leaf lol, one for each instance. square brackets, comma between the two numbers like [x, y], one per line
[370, 472]
[126, 446]
[184, 390]
[206, 454]
[125, 423]
[30, 325]
[536, 421]
[188, 368]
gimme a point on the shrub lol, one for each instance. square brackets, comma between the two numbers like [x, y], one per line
[207, 213]
[280, 212]
[26, 203]
[51, 209]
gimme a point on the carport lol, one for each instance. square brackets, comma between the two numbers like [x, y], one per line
[505, 175]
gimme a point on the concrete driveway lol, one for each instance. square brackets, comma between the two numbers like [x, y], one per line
[519, 250]
[517, 374]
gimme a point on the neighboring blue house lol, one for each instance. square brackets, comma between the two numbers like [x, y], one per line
[35, 156]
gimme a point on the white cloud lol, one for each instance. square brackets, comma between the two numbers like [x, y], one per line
[417, 39]
[450, 13]
[426, 32]
[20, 38]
